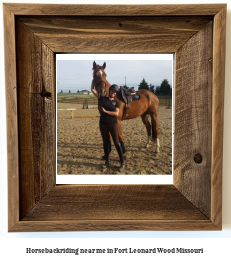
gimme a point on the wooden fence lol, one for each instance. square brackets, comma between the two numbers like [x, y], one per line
[76, 100]
[87, 102]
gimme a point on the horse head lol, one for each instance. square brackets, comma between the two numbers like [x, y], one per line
[99, 76]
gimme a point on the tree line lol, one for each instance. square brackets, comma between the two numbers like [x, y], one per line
[164, 87]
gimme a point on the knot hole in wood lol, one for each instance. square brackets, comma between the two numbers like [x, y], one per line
[198, 158]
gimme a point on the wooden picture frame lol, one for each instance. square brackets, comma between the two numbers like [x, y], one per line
[33, 34]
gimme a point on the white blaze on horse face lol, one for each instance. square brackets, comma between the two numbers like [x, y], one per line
[101, 73]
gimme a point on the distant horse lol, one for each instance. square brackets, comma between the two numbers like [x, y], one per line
[148, 104]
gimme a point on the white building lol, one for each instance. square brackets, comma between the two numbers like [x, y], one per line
[84, 92]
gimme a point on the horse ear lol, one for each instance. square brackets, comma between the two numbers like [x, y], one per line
[94, 65]
[104, 65]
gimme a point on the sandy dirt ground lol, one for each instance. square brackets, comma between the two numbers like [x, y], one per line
[80, 148]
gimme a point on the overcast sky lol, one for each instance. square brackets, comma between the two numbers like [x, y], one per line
[77, 75]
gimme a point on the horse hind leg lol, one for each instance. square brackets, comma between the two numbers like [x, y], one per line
[145, 120]
[155, 131]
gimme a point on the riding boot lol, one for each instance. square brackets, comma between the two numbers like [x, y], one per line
[107, 163]
[123, 149]
[109, 150]
[120, 152]
[122, 146]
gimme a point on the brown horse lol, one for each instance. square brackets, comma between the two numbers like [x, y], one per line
[148, 104]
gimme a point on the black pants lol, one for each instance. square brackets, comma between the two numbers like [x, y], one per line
[113, 129]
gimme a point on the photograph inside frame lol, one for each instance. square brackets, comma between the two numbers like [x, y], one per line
[114, 115]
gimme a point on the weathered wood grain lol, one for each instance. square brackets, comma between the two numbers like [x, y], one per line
[36, 106]
[77, 25]
[12, 114]
[48, 94]
[108, 202]
[114, 10]
[194, 201]
[114, 225]
[108, 207]
[115, 34]
[218, 115]
[193, 113]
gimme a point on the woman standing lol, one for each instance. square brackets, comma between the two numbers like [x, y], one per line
[108, 123]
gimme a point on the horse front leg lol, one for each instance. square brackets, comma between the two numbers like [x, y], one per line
[145, 120]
